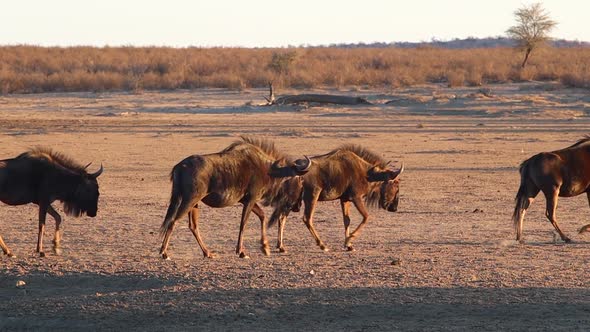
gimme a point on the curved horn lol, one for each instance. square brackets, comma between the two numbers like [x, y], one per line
[90, 163]
[401, 169]
[305, 166]
[98, 173]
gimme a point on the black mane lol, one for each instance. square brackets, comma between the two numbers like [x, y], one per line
[53, 157]
[366, 154]
[581, 141]
[266, 146]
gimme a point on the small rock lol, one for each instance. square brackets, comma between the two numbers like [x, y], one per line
[312, 272]
[396, 262]
[478, 211]
[20, 284]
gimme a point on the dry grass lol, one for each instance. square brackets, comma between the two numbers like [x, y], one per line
[30, 69]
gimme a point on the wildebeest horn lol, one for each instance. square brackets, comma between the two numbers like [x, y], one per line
[98, 173]
[399, 172]
[90, 163]
[304, 167]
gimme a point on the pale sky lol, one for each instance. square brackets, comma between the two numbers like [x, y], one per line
[267, 23]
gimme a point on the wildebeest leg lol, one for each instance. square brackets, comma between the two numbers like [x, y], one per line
[552, 197]
[193, 225]
[524, 200]
[183, 209]
[360, 206]
[57, 236]
[345, 205]
[263, 238]
[166, 241]
[5, 249]
[248, 206]
[310, 204]
[586, 227]
[282, 222]
[42, 215]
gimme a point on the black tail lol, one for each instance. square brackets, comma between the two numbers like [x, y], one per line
[175, 200]
[277, 214]
[521, 199]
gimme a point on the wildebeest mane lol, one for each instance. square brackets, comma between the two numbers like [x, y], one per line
[266, 146]
[583, 140]
[366, 154]
[54, 158]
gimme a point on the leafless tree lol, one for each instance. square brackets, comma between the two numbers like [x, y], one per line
[532, 28]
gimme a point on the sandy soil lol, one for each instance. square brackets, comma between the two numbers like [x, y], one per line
[459, 266]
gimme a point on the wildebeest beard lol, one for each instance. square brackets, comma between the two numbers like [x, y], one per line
[376, 197]
[72, 209]
[81, 203]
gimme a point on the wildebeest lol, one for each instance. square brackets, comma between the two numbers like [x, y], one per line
[241, 173]
[564, 173]
[349, 173]
[42, 176]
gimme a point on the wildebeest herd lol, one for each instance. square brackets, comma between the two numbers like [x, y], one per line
[253, 172]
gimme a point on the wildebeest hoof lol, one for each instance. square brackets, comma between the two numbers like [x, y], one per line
[265, 250]
[165, 256]
[324, 248]
[9, 254]
[349, 248]
[282, 250]
[244, 255]
[41, 254]
[567, 240]
[348, 241]
[208, 255]
[58, 251]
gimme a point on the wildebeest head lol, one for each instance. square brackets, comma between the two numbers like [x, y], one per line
[389, 189]
[85, 197]
[298, 167]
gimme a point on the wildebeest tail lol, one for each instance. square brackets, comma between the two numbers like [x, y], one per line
[175, 200]
[521, 198]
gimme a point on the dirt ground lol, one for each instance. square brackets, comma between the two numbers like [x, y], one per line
[459, 266]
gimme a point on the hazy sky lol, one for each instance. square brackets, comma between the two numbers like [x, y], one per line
[267, 22]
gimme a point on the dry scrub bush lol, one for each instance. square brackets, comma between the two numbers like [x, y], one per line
[30, 69]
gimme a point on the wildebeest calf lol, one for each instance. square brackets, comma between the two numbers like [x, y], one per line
[42, 176]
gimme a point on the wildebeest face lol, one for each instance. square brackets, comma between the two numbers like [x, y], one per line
[89, 197]
[389, 195]
[84, 200]
[85, 197]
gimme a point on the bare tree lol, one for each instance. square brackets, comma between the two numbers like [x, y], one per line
[532, 28]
